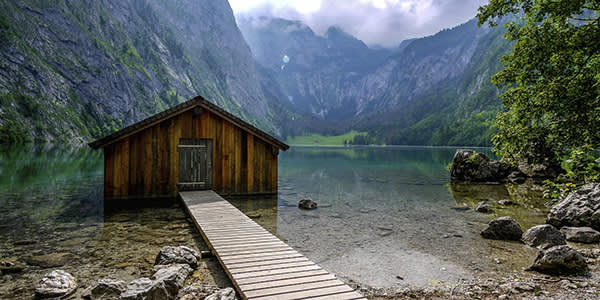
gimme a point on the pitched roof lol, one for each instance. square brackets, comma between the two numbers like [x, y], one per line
[180, 108]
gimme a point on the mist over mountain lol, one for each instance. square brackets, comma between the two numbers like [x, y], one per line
[414, 94]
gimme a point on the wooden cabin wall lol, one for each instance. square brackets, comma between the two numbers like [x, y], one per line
[146, 164]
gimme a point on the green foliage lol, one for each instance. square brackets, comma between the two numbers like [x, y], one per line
[324, 140]
[582, 165]
[552, 77]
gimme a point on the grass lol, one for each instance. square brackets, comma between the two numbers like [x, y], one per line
[321, 140]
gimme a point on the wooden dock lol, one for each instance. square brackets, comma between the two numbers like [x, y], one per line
[259, 264]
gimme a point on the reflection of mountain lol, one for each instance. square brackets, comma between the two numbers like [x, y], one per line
[39, 185]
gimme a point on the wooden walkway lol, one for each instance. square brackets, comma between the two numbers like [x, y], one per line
[260, 265]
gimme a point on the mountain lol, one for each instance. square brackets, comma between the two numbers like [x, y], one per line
[316, 68]
[76, 70]
[424, 92]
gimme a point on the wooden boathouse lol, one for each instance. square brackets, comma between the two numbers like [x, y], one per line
[194, 145]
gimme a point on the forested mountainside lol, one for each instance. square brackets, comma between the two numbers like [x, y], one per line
[434, 90]
[76, 70]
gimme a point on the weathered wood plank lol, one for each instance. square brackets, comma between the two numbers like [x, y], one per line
[285, 282]
[325, 291]
[283, 291]
[273, 279]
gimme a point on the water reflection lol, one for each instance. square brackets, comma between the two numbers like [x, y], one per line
[389, 213]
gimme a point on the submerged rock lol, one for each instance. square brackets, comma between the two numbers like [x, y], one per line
[468, 165]
[503, 228]
[483, 207]
[584, 235]
[578, 209]
[307, 203]
[517, 177]
[8, 267]
[544, 234]
[55, 284]
[50, 260]
[558, 260]
[106, 289]
[177, 255]
[224, 294]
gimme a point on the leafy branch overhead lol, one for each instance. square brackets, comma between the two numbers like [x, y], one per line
[552, 76]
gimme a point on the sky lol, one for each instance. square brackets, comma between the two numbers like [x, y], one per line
[375, 22]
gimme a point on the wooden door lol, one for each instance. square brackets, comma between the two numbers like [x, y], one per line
[195, 164]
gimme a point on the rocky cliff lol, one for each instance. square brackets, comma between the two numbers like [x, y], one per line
[74, 70]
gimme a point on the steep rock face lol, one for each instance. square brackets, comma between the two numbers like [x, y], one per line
[72, 70]
[320, 68]
[337, 76]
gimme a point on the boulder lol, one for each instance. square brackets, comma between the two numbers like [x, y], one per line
[561, 259]
[106, 289]
[503, 228]
[584, 235]
[57, 283]
[173, 276]
[307, 203]
[468, 165]
[581, 208]
[483, 207]
[164, 284]
[224, 294]
[505, 202]
[196, 291]
[517, 177]
[539, 160]
[545, 234]
[177, 255]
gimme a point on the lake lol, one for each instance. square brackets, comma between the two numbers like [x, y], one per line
[387, 217]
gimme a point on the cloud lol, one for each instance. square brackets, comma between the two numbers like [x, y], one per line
[383, 22]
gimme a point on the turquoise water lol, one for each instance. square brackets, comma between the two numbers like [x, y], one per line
[387, 217]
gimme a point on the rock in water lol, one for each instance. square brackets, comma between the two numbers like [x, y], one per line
[560, 259]
[307, 203]
[545, 234]
[580, 208]
[164, 284]
[106, 289]
[468, 165]
[584, 235]
[503, 228]
[55, 284]
[224, 294]
[505, 202]
[172, 276]
[177, 255]
[483, 207]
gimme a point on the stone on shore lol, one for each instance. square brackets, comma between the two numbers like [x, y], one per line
[224, 294]
[106, 289]
[483, 207]
[177, 255]
[468, 165]
[585, 235]
[164, 284]
[581, 208]
[543, 235]
[196, 291]
[503, 228]
[561, 259]
[307, 203]
[57, 283]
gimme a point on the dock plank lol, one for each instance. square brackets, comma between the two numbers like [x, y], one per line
[259, 264]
